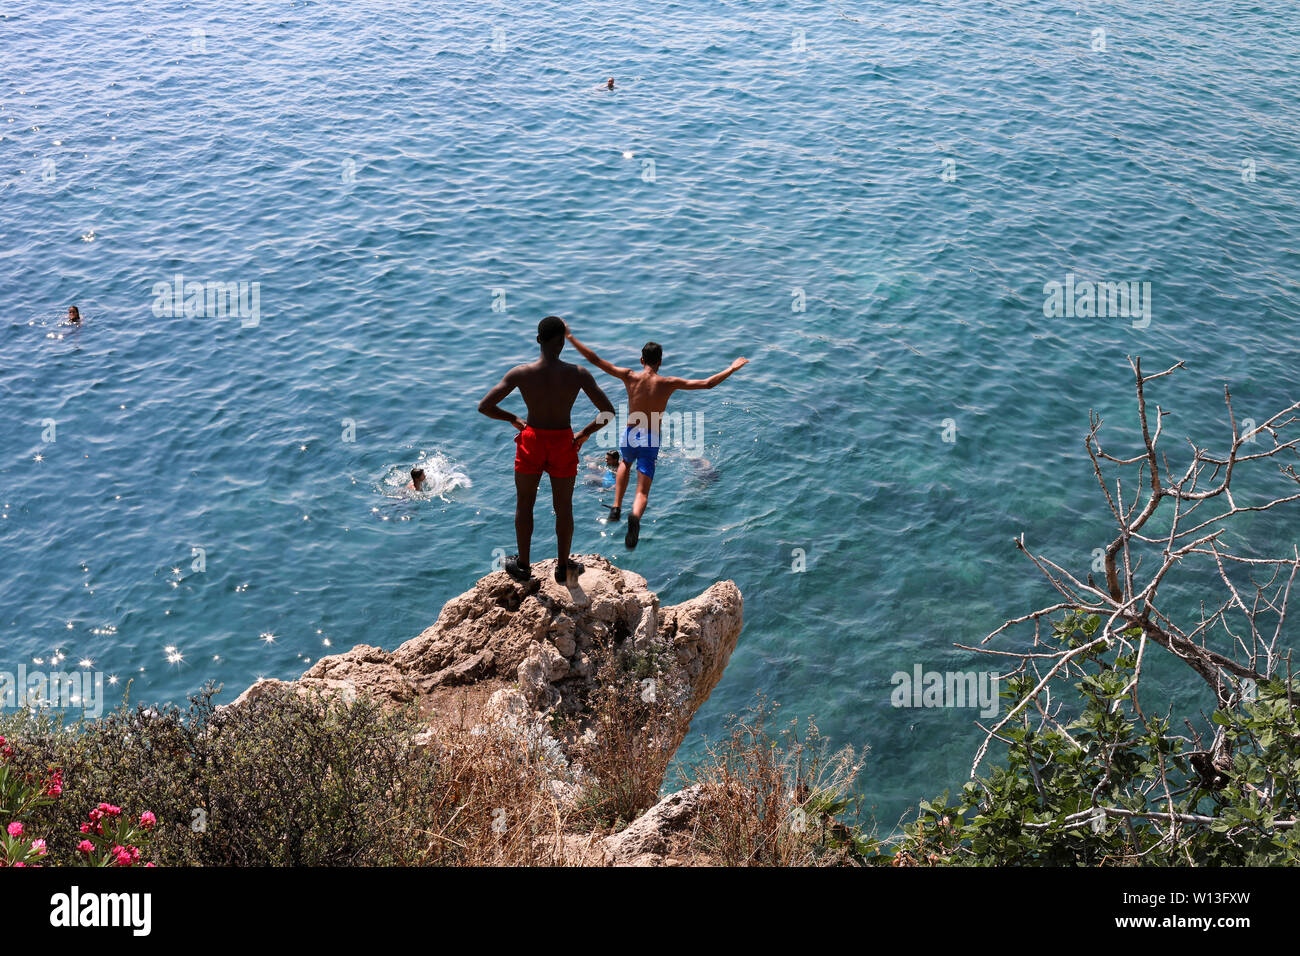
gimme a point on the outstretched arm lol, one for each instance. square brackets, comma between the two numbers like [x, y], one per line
[608, 367]
[490, 406]
[712, 380]
[602, 403]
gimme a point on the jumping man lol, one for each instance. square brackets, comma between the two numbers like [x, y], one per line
[647, 393]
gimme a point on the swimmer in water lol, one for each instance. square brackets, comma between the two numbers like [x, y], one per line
[74, 317]
[605, 475]
[546, 443]
[610, 85]
[647, 397]
[703, 470]
[417, 480]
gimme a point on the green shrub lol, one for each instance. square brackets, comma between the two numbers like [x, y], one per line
[1118, 786]
[289, 779]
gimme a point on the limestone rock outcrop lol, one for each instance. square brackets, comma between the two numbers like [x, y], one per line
[529, 650]
[662, 836]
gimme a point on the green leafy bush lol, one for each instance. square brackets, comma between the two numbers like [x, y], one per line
[1116, 785]
[294, 780]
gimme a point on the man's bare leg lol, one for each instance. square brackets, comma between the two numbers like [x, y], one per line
[525, 497]
[562, 500]
[642, 494]
[620, 488]
[638, 509]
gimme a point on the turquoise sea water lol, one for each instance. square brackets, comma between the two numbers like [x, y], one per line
[389, 172]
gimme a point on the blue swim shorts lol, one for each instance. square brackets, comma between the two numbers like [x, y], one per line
[640, 449]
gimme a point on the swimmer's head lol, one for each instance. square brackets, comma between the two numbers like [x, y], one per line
[73, 315]
[550, 334]
[652, 353]
[417, 478]
[611, 459]
[610, 84]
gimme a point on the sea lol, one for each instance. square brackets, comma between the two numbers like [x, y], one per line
[880, 204]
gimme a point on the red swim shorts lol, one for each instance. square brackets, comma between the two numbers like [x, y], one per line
[547, 450]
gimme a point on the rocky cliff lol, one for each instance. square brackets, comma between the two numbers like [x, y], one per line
[526, 653]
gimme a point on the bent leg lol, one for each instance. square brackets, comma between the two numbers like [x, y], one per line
[642, 493]
[620, 482]
[638, 508]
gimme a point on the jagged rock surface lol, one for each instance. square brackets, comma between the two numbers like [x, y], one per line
[532, 645]
[661, 836]
[529, 651]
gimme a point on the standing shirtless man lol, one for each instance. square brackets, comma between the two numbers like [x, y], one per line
[546, 442]
[647, 394]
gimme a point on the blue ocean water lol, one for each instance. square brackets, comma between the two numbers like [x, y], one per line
[866, 199]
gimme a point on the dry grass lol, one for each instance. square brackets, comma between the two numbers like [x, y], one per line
[777, 800]
[296, 780]
[627, 740]
[494, 803]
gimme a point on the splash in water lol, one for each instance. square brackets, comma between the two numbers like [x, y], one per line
[442, 476]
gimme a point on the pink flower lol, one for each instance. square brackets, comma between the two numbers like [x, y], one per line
[38, 847]
[109, 809]
[122, 856]
[85, 846]
[147, 820]
[147, 865]
[55, 787]
[85, 828]
[15, 829]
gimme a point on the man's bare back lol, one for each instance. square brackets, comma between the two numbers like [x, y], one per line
[549, 389]
[648, 392]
